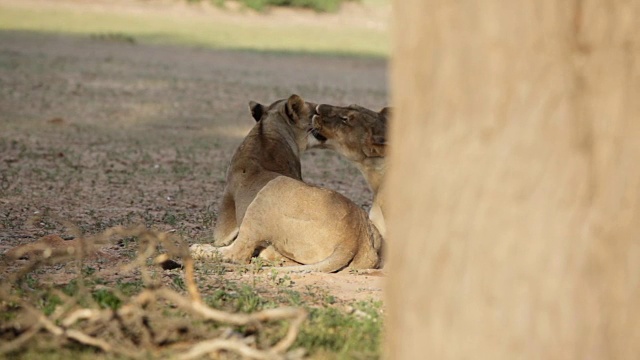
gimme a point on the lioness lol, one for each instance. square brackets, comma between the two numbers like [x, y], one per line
[313, 226]
[266, 204]
[271, 149]
[359, 134]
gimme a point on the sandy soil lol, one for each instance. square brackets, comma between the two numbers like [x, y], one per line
[100, 133]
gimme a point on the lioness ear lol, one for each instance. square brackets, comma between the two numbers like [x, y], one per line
[385, 113]
[257, 110]
[294, 107]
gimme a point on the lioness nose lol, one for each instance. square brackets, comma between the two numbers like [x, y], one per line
[323, 109]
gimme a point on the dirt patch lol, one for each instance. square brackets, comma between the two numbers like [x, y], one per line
[97, 133]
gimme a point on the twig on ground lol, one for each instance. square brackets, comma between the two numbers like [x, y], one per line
[14, 345]
[72, 334]
[139, 326]
[211, 346]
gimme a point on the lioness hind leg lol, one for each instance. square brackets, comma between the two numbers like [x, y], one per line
[272, 255]
[226, 227]
[338, 260]
[369, 254]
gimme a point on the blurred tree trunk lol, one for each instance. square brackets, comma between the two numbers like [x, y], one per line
[515, 180]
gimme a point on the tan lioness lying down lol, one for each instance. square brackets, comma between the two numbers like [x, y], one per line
[318, 228]
[359, 134]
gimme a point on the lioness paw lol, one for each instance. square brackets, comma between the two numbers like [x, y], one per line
[204, 251]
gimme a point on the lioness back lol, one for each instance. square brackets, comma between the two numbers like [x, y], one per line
[272, 148]
[307, 223]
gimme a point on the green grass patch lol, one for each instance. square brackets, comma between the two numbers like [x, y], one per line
[53, 352]
[344, 335]
[335, 331]
[260, 5]
[196, 30]
[318, 5]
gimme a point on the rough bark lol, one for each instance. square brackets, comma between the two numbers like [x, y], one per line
[514, 222]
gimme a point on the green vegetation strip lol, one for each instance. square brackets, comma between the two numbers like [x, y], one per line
[196, 31]
[332, 331]
[260, 5]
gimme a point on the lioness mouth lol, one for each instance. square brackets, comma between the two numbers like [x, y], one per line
[314, 128]
[316, 134]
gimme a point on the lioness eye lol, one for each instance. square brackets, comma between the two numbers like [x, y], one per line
[344, 119]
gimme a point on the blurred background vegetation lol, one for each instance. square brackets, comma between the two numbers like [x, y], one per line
[347, 27]
[260, 5]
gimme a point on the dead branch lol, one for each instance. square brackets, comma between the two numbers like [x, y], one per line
[17, 343]
[189, 274]
[139, 325]
[72, 334]
[212, 346]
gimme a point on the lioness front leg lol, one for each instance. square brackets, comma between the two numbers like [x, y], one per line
[241, 250]
[377, 218]
[226, 226]
[203, 251]
[250, 236]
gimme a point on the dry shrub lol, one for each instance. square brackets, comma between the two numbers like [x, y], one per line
[157, 321]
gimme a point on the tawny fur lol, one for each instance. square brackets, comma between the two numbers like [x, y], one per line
[271, 149]
[266, 204]
[318, 228]
[359, 134]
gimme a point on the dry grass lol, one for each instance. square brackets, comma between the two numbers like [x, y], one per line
[105, 133]
[149, 323]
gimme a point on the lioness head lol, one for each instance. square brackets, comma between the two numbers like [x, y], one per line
[354, 131]
[296, 112]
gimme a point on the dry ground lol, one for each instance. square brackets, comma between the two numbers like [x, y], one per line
[101, 132]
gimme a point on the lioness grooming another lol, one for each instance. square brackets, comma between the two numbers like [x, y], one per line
[267, 205]
[359, 134]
